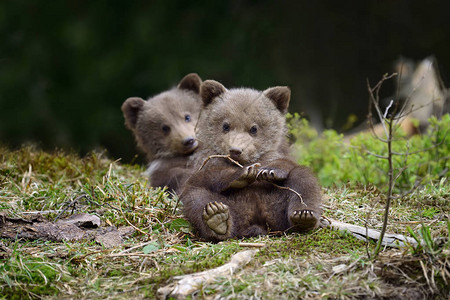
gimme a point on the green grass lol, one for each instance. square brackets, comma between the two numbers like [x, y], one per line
[422, 158]
[323, 264]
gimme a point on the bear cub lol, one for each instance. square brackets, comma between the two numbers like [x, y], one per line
[164, 129]
[253, 194]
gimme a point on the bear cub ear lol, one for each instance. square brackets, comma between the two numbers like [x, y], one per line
[209, 90]
[280, 96]
[130, 109]
[190, 82]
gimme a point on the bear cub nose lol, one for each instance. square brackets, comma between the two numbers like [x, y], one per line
[235, 152]
[188, 141]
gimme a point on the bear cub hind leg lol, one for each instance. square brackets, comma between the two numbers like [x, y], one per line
[217, 217]
[304, 220]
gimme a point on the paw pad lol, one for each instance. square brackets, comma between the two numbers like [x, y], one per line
[215, 215]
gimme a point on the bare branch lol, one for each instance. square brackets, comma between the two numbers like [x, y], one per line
[387, 109]
[289, 189]
[377, 155]
[220, 156]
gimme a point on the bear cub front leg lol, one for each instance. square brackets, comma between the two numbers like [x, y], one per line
[247, 176]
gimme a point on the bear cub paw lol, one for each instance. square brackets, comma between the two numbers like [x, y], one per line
[216, 215]
[271, 175]
[304, 220]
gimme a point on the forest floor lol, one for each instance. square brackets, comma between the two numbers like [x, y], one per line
[132, 240]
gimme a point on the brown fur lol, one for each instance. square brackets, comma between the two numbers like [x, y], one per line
[223, 200]
[164, 129]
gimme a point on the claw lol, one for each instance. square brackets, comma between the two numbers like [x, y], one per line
[304, 219]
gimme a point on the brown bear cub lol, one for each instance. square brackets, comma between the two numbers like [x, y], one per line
[164, 129]
[260, 189]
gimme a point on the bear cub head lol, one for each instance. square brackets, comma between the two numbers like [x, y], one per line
[164, 125]
[247, 124]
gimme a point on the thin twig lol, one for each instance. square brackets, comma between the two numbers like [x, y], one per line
[123, 215]
[376, 155]
[140, 254]
[252, 245]
[375, 101]
[135, 247]
[68, 204]
[387, 109]
[176, 203]
[78, 258]
[220, 156]
[412, 109]
[383, 120]
[42, 212]
[289, 189]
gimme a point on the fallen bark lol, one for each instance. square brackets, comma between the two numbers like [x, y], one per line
[74, 228]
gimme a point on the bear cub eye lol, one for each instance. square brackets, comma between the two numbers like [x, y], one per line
[187, 118]
[165, 129]
[226, 127]
[253, 130]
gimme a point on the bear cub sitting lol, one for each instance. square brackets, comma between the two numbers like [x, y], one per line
[163, 127]
[260, 189]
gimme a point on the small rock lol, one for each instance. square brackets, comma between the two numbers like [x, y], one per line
[109, 239]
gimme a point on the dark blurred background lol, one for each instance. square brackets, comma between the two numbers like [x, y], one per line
[67, 66]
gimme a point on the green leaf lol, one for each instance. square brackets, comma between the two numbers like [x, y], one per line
[152, 247]
[180, 224]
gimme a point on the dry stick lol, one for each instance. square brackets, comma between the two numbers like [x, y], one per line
[289, 189]
[400, 117]
[375, 101]
[42, 212]
[183, 286]
[139, 254]
[89, 254]
[176, 203]
[135, 247]
[220, 156]
[253, 245]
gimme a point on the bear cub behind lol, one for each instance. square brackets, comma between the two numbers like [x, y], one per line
[262, 189]
[164, 129]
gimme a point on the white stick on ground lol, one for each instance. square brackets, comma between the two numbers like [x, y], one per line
[185, 285]
[362, 233]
